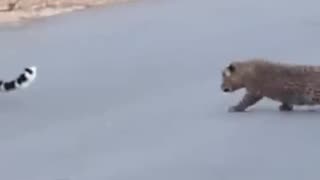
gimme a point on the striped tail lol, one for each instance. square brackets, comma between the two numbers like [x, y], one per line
[22, 81]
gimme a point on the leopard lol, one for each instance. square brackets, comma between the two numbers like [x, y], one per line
[288, 84]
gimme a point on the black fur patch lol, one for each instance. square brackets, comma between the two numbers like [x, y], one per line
[29, 70]
[231, 68]
[21, 79]
[9, 85]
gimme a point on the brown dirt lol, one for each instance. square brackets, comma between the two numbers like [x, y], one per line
[18, 10]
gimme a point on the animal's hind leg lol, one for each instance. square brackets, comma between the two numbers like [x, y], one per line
[285, 107]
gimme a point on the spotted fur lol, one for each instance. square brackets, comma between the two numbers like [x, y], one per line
[286, 83]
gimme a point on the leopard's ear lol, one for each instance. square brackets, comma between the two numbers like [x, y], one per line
[231, 68]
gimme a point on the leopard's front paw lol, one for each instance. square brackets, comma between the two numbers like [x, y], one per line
[236, 109]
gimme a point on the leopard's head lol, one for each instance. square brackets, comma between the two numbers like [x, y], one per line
[232, 78]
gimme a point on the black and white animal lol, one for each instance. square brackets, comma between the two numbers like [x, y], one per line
[22, 81]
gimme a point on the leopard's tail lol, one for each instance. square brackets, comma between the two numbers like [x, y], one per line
[22, 81]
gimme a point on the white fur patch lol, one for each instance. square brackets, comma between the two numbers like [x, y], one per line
[30, 77]
[227, 73]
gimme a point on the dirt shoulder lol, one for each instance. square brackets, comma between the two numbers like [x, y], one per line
[12, 11]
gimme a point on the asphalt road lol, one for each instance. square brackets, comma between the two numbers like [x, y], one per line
[132, 92]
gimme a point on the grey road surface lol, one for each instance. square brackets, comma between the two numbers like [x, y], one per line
[131, 92]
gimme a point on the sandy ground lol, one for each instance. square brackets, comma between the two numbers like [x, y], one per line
[29, 9]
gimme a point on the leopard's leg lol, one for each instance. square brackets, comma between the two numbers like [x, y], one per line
[286, 107]
[247, 100]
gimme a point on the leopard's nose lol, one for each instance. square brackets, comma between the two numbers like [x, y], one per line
[226, 89]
